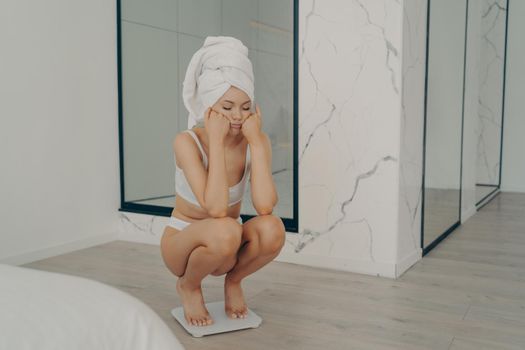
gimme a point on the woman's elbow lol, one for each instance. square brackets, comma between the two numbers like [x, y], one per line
[264, 210]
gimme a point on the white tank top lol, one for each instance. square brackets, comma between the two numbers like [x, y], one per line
[182, 187]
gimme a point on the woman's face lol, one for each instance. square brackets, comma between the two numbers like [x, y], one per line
[236, 106]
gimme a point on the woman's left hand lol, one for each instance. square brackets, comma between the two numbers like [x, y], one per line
[251, 128]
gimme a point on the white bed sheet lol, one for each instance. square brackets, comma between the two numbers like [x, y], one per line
[47, 310]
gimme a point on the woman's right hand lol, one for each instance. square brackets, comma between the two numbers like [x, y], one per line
[216, 124]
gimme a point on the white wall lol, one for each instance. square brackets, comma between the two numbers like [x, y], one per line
[59, 184]
[513, 163]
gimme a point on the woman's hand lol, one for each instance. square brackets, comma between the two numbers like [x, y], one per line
[251, 128]
[216, 124]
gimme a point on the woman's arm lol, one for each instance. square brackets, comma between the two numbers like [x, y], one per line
[264, 195]
[217, 194]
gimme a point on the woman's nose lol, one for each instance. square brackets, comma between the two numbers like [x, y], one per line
[237, 117]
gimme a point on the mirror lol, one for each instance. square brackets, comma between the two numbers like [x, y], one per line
[156, 41]
[443, 119]
[491, 92]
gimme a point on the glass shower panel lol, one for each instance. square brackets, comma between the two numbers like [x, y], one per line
[490, 101]
[443, 123]
[158, 39]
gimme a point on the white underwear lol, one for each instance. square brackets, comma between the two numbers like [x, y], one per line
[181, 224]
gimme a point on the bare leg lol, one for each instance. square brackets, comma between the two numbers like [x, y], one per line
[235, 305]
[253, 256]
[202, 262]
[194, 252]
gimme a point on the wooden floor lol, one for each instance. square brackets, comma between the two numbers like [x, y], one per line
[467, 293]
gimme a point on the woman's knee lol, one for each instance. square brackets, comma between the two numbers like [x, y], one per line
[226, 236]
[272, 234]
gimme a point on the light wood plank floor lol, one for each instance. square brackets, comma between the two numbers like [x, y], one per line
[468, 293]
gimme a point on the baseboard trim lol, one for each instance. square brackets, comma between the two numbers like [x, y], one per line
[513, 189]
[51, 251]
[468, 213]
[406, 263]
[367, 267]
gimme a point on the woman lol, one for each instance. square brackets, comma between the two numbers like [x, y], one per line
[205, 234]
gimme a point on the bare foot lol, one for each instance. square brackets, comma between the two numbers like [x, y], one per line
[195, 311]
[234, 304]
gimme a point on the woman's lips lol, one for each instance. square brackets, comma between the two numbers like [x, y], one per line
[236, 126]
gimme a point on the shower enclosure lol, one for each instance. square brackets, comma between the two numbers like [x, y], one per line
[464, 105]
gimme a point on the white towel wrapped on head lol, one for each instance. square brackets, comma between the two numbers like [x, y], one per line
[220, 63]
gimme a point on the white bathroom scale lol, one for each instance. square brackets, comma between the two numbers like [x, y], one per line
[221, 322]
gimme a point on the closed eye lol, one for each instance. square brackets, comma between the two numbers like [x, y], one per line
[229, 109]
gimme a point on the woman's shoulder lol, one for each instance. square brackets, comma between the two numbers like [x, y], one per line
[186, 135]
[184, 146]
